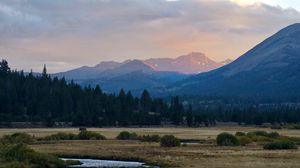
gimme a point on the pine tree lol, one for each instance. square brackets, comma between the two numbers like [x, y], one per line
[4, 68]
[146, 101]
[189, 116]
[44, 73]
[176, 110]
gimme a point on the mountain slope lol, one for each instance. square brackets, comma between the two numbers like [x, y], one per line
[86, 72]
[269, 69]
[132, 75]
[192, 63]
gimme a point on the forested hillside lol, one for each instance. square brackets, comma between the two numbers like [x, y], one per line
[31, 98]
[43, 99]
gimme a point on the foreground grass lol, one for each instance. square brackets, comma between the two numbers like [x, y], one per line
[190, 156]
[200, 156]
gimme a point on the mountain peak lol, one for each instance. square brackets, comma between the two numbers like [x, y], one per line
[192, 63]
[135, 65]
[192, 55]
[195, 54]
[104, 65]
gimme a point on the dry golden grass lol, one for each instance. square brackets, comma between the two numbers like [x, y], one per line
[191, 156]
[183, 133]
[194, 156]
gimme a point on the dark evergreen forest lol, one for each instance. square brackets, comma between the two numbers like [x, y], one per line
[40, 98]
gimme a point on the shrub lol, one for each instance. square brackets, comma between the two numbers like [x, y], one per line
[18, 138]
[89, 135]
[125, 135]
[280, 145]
[169, 141]
[257, 133]
[244, 140]
[263, 136]
[240, 134]
[226, 139]
[61, 136]
[296, 140]
[20, 153]
[16, 152]
[82, 135]
[15, 165]
[261, 139]
[273, 135]
[149, 138]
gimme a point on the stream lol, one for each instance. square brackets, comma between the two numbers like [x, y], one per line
[96, 163]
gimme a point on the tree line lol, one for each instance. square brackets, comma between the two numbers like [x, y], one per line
[25, 97]
[40, 98]
[246, 114]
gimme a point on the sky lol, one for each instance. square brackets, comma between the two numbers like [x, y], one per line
[65, 34]
[283, 3]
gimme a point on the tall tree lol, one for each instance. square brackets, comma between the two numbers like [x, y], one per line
[146, 101]
[189, 116]
[4, 68]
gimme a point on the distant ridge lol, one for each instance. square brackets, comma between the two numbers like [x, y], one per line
[137, 75]
[132, 75]
[191, 63]
[272, 68]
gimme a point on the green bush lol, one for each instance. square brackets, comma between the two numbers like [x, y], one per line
[240, 134]
[273, 135]
[280, 145]
[20, 154]
[149, 138]
[169, 141]
[226, 139]
[15, 152]
[18, 138]
[82, 135]
[125, 135]
[61, 136]
[296, 140]
[244, 140]
[261, 139]
[15, 165]
[257, 133]
[89, 135]
[263, 136]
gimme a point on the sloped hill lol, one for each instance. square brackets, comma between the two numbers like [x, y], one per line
[272, 68]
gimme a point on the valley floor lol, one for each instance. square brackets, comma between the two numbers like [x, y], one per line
[180, 132]
[190, 156]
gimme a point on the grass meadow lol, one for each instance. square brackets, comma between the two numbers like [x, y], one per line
[188, 156]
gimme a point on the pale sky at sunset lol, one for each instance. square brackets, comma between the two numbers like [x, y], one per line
[65, 34]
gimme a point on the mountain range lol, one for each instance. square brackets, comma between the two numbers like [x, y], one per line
[136, 75]
[272, 68]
